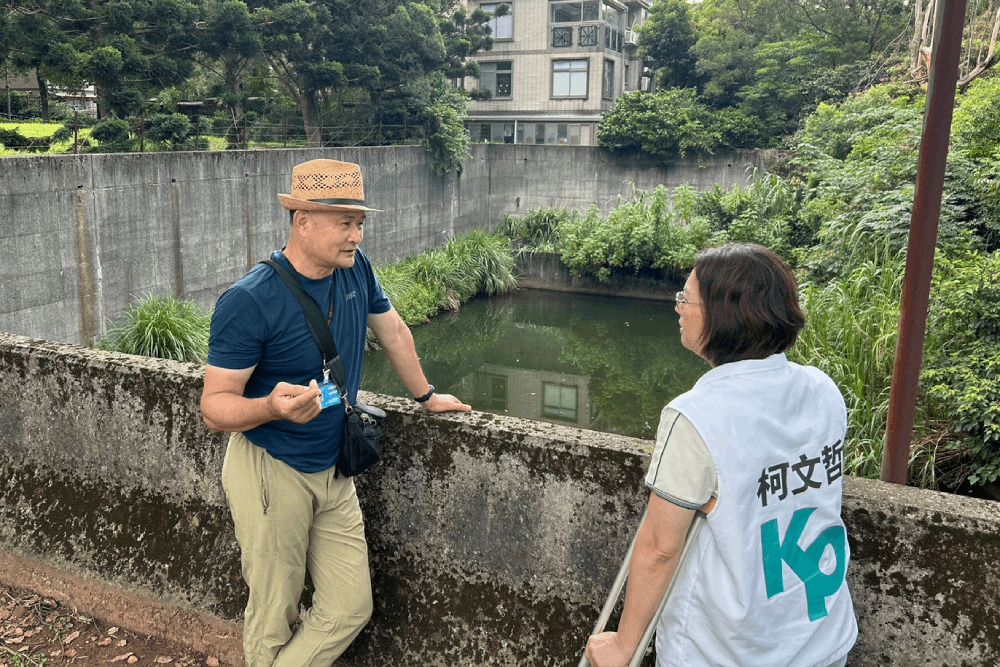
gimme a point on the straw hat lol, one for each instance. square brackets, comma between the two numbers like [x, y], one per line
[326, 185]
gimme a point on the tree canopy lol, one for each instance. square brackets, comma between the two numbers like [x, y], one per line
[318, 63]
[772, 61]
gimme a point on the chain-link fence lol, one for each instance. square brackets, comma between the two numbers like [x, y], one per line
[159, 132]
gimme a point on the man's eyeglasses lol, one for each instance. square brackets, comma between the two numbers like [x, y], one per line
[681, 300]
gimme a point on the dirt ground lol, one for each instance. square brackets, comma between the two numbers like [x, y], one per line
[36, 630]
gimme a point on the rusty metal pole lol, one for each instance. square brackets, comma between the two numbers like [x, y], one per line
[942, 82]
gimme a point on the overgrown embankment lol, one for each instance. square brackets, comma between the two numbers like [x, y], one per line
[839, 212]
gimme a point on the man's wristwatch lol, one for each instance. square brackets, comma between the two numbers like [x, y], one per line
[425, 397]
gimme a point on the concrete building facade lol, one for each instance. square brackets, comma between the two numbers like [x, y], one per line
[555, 67]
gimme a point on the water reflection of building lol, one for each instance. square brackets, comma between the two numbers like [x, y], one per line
[525, 377]
[533, 394]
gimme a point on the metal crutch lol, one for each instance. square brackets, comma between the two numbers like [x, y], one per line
[619, 584]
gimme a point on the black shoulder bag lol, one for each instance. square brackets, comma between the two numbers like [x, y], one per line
[359, 448]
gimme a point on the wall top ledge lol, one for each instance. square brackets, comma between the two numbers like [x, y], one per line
[69, 352]
[894, 499]
[525, 431]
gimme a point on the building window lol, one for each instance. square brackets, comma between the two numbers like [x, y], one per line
[588, 35]
[479, 132]
[496, 78]
[559, 401]
[562, 37]
[504, 132]
[492, 132]
[501, 27]
[569, 78]
[554, 134]
[491, 391]
[531, 133]
[574, 12]
[613, 17]
[609, 79]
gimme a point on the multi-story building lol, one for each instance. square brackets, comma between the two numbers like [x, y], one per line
[555, 67]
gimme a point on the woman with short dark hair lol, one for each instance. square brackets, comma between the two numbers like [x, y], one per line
[757, 446]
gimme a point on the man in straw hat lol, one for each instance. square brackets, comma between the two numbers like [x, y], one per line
[292, 511]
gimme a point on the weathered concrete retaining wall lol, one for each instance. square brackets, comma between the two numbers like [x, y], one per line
[543, 270]
[493, 540]
[82, 236]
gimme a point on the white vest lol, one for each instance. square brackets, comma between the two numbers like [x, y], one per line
[764, 584]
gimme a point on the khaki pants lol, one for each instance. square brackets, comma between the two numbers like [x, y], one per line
[288, 522]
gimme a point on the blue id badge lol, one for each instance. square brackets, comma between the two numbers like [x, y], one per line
[331, 395]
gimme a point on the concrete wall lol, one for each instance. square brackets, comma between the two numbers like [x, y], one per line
[493, 540]
[83, 236]
[546, 271]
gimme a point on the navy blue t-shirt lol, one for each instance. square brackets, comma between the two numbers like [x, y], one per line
[257, 322]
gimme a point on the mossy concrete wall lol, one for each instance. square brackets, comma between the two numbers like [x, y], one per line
[545, 270]
[81, 237]
[493, 540]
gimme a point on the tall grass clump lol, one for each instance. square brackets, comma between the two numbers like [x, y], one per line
[422, 285]
[537, 230]
[850, 334]
[486, 258]
[163, 327]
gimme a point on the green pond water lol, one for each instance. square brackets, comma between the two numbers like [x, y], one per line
[596, 362]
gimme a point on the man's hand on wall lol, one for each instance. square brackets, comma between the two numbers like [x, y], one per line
[296, 403]
[445, 403]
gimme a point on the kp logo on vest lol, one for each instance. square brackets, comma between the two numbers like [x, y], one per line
[804, 563]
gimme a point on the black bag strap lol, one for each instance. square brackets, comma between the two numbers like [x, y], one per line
[317, 326]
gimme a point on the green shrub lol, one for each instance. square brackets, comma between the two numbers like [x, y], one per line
[765, 212]
[666, 229]
[833, 130]
[22, 105]
[112, 131]
[977, 118]
[631, 238]
[163, 327]
[977, 132]
[961, 379]
[987, 183]
[444, 110]
[172, 129]
[13, 139]
[857, 163]
[415, 300]
[665, 124]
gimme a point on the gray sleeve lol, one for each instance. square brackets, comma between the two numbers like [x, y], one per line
[682, 471]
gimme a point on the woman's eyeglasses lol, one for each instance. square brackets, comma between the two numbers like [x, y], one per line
[681, 300]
